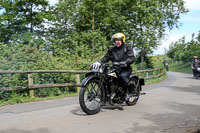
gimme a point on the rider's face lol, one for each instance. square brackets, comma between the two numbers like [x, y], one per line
[118, 42]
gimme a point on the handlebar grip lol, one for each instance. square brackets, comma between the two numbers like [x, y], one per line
[117, 64]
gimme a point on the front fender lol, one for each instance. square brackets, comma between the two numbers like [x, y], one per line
[87, 79]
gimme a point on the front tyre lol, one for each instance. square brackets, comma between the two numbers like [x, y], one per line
[134, 92]
[90, 97]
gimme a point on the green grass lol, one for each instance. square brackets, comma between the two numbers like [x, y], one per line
[156, 80]
[15, 99]
[180, 67]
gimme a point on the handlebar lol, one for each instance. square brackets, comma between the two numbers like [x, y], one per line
[114, 64]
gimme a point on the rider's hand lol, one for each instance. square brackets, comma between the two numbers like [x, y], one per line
[96, 65]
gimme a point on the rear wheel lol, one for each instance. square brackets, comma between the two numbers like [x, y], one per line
[134, 92]
[90, 97]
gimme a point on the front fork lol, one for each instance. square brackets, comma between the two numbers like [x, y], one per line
[103, 90]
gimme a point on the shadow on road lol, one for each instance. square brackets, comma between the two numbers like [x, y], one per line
[190, 78]
[191, 88]
[114, 107]
[180, 121]
[178, 118]
[78, 111]
[42, 130]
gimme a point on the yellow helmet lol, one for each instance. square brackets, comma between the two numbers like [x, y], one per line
[119, 36]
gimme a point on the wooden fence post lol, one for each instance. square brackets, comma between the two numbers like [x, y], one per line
[30, 83]
[78, 82]
[147, 75]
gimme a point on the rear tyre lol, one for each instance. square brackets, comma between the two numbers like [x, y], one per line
[134, 93]
[90, 97]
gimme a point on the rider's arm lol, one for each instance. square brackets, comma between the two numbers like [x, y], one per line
[130, 56]
[107, 57]
[192, 65]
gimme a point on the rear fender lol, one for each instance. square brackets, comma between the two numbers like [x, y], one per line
[141, 80]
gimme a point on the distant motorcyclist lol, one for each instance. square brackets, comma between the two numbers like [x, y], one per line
[194, 65]
[166, 65]
[121, 54]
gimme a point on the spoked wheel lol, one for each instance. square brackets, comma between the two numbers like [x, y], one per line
[90, 97]
[134, 93]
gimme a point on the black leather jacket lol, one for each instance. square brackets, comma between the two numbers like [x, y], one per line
[195, 64]
[119, 54]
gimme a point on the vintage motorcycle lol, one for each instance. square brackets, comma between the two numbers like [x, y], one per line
[104, 87]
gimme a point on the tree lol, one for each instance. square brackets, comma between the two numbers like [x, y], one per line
[61, 27]
[143, 22]
[21, 16]
[184, 51]
[8, 20]
[87, 26]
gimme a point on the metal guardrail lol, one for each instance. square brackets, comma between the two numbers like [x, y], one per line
[32, 86]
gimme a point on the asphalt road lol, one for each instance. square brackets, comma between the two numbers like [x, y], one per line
[172, 106]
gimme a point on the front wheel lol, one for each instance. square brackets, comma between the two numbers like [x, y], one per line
[90, 97]
[134, 93]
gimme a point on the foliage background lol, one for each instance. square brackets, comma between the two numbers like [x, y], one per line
[71, 35]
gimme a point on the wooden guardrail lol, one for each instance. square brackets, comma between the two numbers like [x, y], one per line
[142, 73]
[146, 73]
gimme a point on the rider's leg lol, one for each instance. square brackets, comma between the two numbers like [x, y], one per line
[167, 68]
[124, 76]
[194, 74]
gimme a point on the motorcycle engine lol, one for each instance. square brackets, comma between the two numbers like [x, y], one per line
[115, 96]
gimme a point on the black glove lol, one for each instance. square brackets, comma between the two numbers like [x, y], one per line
[122, 64]
[116, 63]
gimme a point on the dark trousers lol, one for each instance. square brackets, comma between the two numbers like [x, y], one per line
[124, 76]
[195, 71]
[167, 68]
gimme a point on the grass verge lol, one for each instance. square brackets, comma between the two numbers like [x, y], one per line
[156, 80]
[181, 67]
[25, 99]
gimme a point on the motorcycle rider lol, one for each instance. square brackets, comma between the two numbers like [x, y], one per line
[121, 54]
[194, 65]
[166, 65]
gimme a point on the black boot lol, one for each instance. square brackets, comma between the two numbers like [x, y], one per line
[127, 96]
